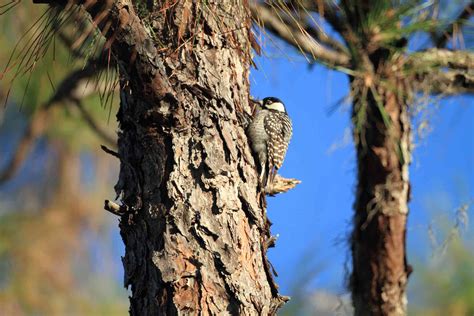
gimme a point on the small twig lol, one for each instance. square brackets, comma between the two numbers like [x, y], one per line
[114, 208]
[272, 240]
[447, 34]
[110, 151]
[281, 185]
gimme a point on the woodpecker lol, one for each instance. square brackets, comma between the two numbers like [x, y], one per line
[269, 133]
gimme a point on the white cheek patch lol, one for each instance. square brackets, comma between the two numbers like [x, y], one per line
[277, 106]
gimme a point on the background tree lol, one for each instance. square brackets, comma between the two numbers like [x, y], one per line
[370, 41]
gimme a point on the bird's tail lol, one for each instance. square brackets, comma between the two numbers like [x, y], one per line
[264, 173]
[268, 177]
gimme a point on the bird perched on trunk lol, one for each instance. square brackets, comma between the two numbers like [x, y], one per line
[269, 132]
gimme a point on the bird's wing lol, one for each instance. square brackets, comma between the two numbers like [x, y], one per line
[279, 130]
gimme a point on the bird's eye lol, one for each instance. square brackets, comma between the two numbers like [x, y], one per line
[269, 101]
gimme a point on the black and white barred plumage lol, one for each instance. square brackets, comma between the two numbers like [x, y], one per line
[270, 133]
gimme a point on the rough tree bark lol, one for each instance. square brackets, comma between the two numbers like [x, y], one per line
[195, 234]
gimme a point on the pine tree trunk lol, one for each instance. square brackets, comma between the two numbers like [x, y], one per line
[195, 233]
[380, 270]
[382, 135]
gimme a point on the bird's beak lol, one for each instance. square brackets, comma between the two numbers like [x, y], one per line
[257, 102]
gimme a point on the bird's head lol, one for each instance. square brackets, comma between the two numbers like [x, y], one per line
[273, 104]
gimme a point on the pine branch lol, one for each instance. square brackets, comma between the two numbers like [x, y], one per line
[441, 40]
[326, 9]
[322, 37]
[292, 33]
[301, 12]
[445, 82]
[433, 58]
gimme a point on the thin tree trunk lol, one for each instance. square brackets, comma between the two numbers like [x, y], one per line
[195, 234]
[380, 270]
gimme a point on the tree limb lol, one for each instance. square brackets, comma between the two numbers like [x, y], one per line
[292, 33]
[445, 83]
[442, 58]
[442, 71]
